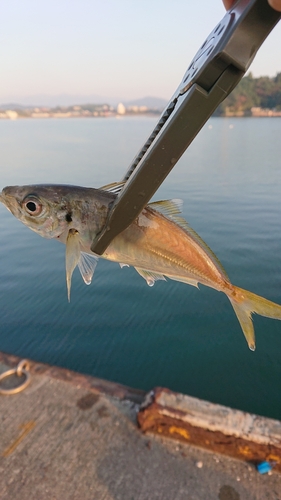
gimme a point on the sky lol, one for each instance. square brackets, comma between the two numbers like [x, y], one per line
[119, 49]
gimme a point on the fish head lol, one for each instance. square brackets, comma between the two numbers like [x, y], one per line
[72, 214]
[43, 209]
[52, 210]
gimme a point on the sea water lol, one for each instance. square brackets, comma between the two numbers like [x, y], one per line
[172, 334]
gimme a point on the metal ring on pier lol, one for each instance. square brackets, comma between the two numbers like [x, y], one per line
[19, 371]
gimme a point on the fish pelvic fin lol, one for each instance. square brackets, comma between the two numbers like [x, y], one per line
[72, 256]
[87, 265]
[245, 304]
[149, 276]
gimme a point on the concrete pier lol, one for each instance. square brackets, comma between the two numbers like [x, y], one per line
[73, 437]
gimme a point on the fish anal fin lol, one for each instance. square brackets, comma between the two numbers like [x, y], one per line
[188, 281]
[149, 276]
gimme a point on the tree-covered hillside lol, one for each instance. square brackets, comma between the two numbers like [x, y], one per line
[263, 92]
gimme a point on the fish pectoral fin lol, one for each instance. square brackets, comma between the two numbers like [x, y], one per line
[87, 264]
[188, 281]
[72, 256]
[149, 276]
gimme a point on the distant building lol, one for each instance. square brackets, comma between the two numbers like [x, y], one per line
[11, 114]
[40, 115]
[257, 111]
[121, 110]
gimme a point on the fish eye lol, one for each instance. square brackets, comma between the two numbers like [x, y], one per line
[32, 206]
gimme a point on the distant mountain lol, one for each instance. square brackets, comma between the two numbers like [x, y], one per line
[150, 102]
[52, 101]
[12, 105]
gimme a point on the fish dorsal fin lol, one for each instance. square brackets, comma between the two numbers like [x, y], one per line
[113, 187]
[87, 265]
[149, 276]
[72, 256]
[168, 208]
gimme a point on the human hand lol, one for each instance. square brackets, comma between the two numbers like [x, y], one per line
[275, 4]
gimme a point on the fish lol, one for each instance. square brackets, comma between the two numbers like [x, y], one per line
[159, 244]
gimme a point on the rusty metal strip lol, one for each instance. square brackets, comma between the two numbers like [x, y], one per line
[177, 416]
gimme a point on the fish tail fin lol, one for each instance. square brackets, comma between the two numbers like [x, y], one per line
[245, 304]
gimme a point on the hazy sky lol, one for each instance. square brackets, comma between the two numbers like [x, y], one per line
[114, 48]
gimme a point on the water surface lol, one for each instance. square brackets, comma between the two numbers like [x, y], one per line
[118, 328]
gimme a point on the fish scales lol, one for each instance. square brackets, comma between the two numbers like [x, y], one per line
[170, 249]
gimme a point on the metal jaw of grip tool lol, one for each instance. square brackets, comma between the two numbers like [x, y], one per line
[215, 70]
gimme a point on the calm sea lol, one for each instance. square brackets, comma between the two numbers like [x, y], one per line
[118, 328]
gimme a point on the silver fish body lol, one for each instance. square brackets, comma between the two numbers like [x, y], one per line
[158, 243]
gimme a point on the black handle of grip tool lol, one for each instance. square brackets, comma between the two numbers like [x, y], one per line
[215, 70]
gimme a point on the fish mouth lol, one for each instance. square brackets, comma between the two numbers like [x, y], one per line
[9, 200]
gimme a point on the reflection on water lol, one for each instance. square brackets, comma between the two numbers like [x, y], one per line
[118, 328]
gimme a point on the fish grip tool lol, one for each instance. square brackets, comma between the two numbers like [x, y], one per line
[216, 69]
